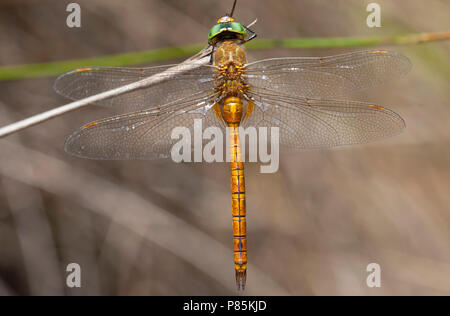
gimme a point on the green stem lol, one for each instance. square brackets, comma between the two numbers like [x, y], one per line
[135, 58]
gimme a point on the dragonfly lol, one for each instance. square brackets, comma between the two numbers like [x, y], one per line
[299, 95]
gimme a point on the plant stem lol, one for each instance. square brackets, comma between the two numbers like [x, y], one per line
[134, 58]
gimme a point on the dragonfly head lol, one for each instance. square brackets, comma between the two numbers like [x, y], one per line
[226, 29]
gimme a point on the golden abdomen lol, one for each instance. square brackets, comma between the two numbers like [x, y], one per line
[232, 111]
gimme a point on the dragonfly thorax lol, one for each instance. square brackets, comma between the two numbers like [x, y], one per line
[229, 59]
[229, 51]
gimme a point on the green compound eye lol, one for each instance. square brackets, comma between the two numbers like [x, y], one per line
[233, 27]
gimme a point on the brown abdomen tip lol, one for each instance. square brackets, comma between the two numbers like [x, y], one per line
[241, 278]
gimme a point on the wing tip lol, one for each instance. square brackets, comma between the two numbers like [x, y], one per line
[406, 62]
[58, 81]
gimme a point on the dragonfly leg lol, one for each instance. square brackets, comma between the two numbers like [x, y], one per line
[252, 36]
[211, 59]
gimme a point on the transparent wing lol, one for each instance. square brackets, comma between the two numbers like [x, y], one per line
[317, 123]
[140, 135]
[84, 82]
[326, 77]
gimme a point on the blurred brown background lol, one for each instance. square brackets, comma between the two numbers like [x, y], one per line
[160, 228]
